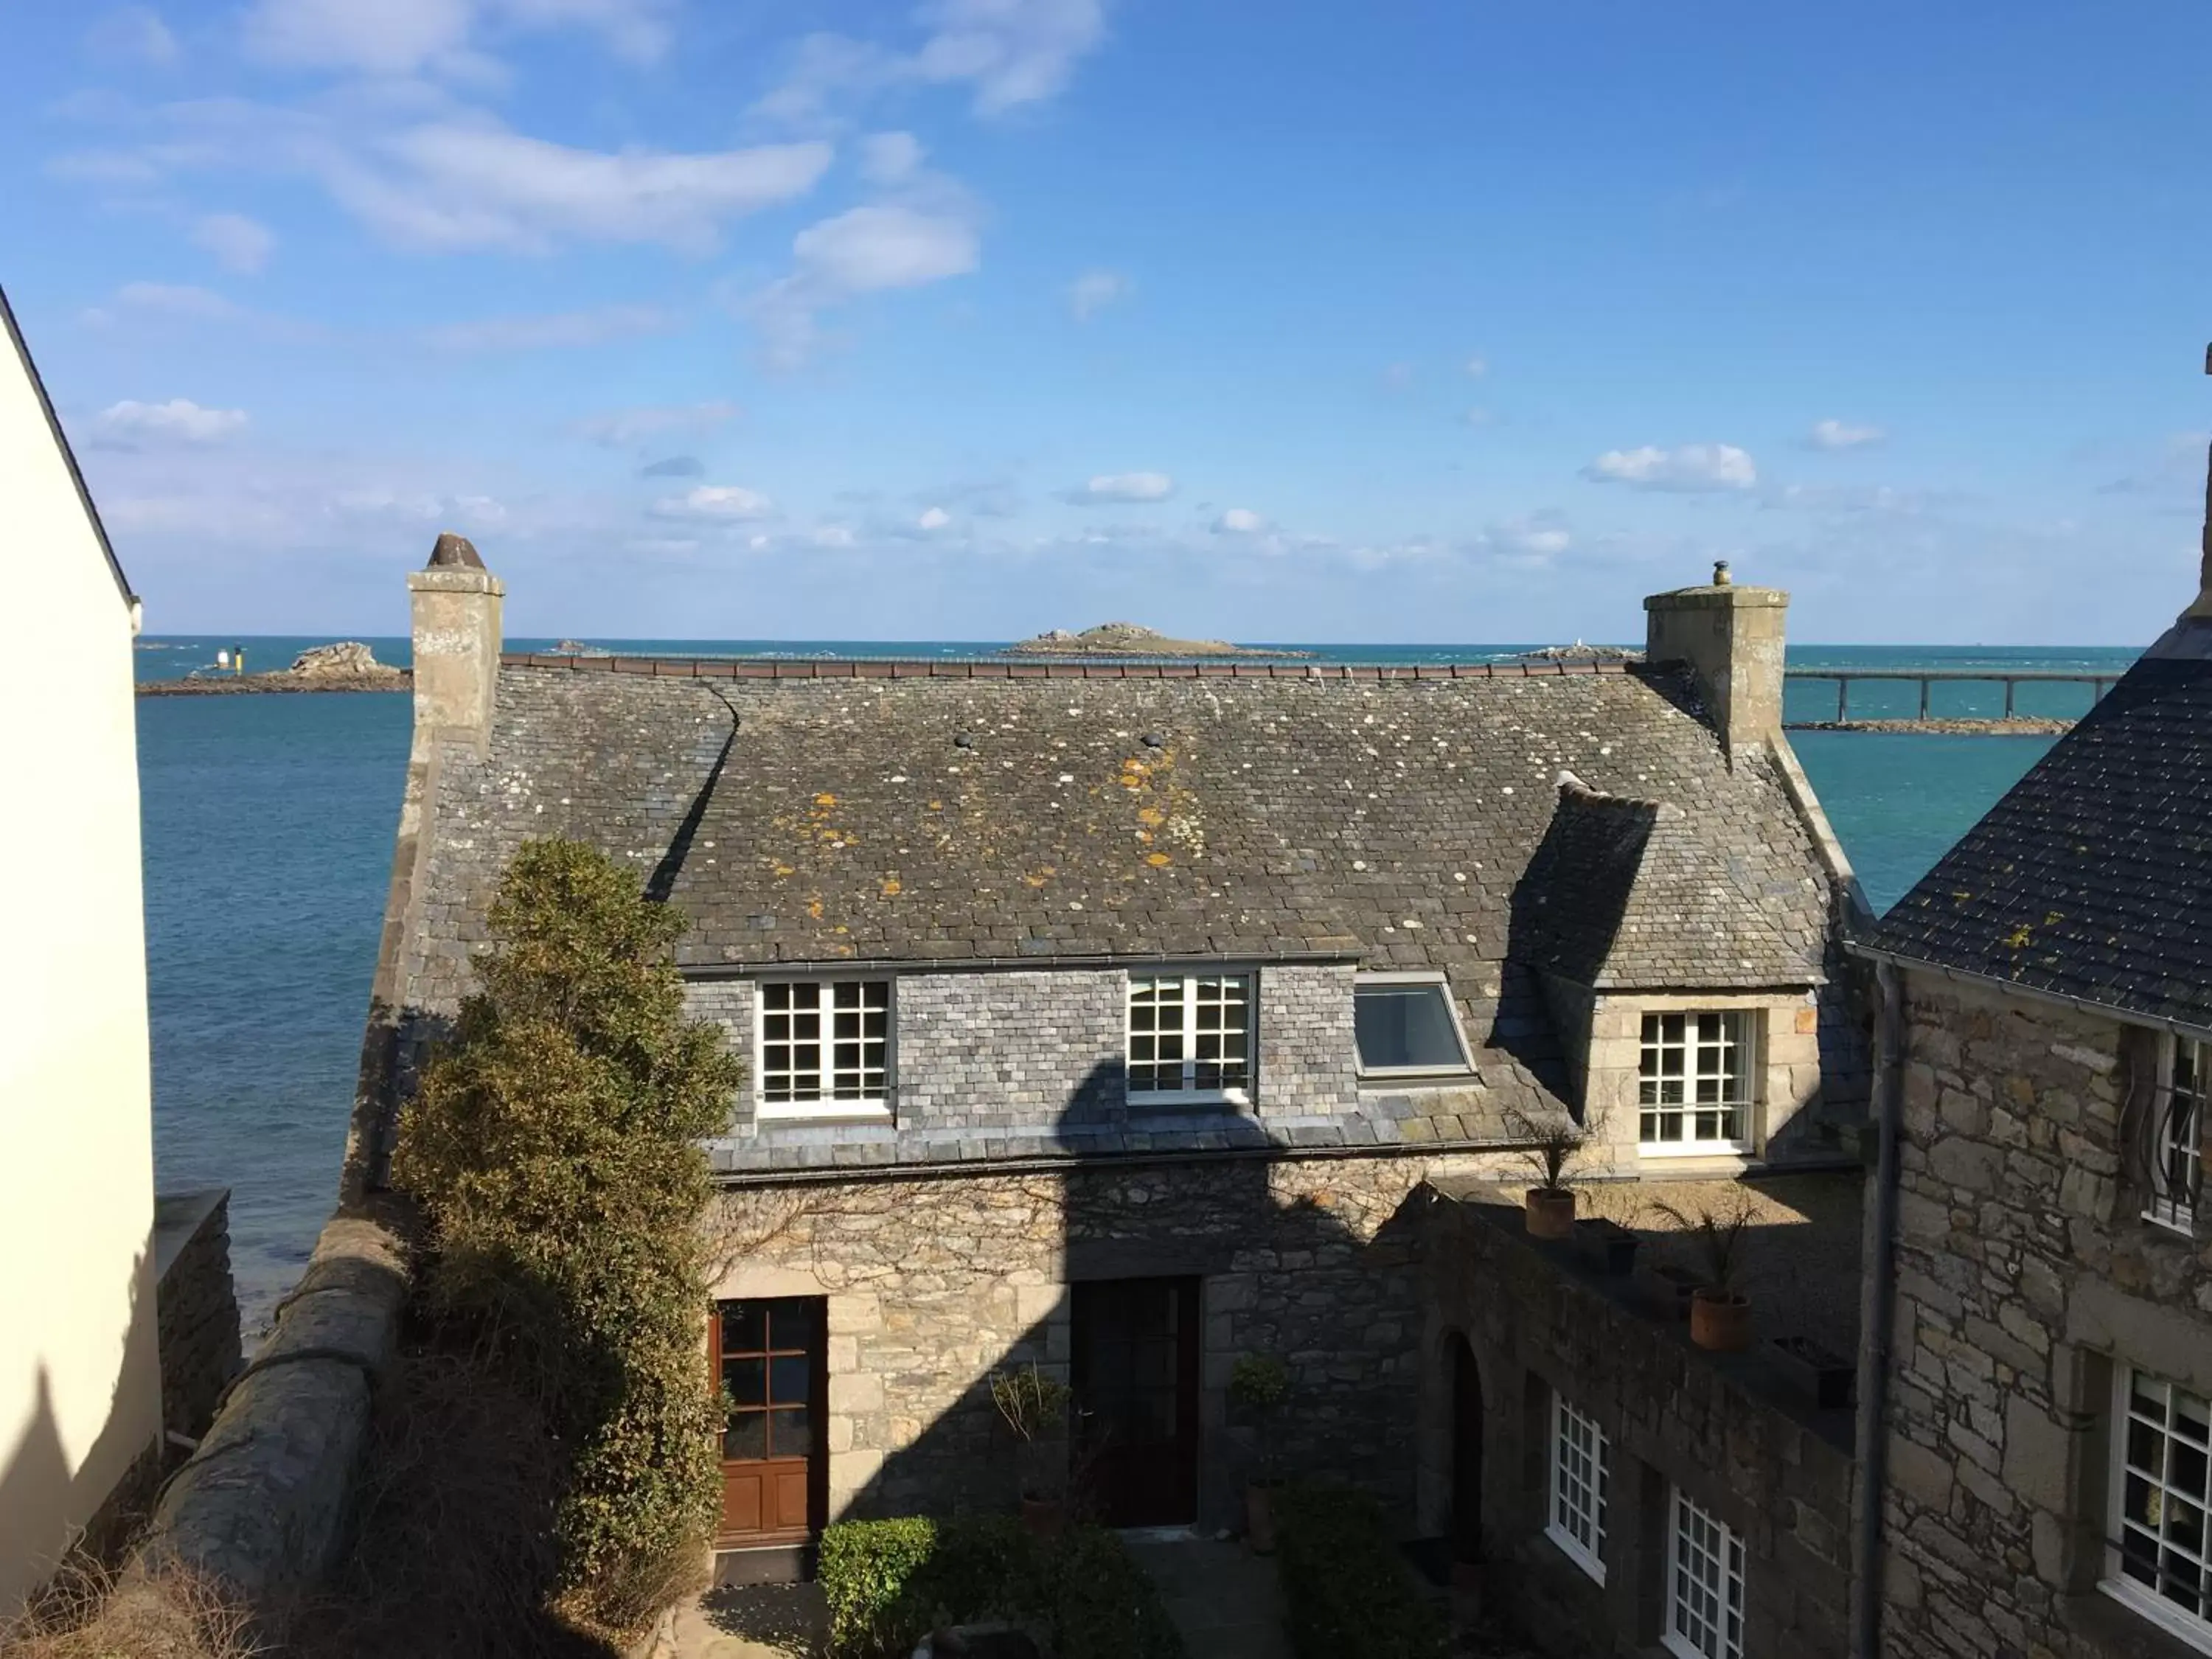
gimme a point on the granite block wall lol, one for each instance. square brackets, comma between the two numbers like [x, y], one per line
[197, 1308]
[934, 1284]
[2026, 1276]
[1779, 1475]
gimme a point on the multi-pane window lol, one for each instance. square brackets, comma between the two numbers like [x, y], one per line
[1705, 1585]
[1579, 1472]
[2159, 1557]
[825, 1042]
[1693, 1084]
[2177, 1170]
[765, 1352]
[1190, 1034]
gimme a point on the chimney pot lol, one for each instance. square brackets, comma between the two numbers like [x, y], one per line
[1720, 577]
[452, 552]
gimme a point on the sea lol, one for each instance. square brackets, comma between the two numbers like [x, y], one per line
[269, 823]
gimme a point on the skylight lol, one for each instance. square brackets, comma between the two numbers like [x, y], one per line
[1405, 1026]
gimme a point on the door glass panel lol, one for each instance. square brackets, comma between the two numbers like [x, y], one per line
[794, 1322]
[746, 1436]
[788, 1377]
[742, 1380]
[794, 1433]
[745, 1327]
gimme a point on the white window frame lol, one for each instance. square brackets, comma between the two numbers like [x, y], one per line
[1580, 1472]
[1723, 1582]
[2195, 1629]
[1190, 1095]
[1748, 1024]
[2179, 1057]
[1412, 1074]
[875, 1106]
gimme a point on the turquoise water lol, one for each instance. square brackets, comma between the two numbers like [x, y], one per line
[269, 823]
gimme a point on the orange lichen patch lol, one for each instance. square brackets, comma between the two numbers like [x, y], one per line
[1156, 860]
[891, 887]
[1145, 836]
[814, 908]
[937, 806]
[825, 800]
[1151, 814]
[785, 870]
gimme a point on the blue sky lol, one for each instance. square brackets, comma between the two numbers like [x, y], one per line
[1422, 321]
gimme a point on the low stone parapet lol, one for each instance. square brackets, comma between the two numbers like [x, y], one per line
[197, 1309]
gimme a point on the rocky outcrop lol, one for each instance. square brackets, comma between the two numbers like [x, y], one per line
[348, 666]
[2015, 726]
[1122, 639]
[1580, 653]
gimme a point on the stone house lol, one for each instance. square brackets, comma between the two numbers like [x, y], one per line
[1116, 1019]
[2042, 1436]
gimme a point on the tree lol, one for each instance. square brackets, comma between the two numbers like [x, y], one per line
[554, 1148]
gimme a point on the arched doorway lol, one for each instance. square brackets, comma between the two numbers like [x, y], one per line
[1466, 1453]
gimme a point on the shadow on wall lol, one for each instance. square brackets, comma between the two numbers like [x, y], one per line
[48, 1504]
[1139, 1275]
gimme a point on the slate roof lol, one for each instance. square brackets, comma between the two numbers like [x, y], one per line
[1385, 821]
[2093, 878]
[1630, 894]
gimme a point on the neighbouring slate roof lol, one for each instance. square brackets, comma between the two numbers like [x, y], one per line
[2093, 877]
[1630, 894]
[1388, 821]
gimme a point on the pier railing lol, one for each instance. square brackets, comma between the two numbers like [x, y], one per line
[1929, 678]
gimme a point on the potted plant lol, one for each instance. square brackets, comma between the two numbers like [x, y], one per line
[1257, 1388]
[1555, 1145]
[1035, 1407]
[1720, 1311]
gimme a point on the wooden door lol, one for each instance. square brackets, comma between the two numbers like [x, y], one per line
[769, 1357]
[1135, 1375]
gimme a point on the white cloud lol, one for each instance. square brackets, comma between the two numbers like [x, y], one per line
[1093, 291]
[620, 428]
[450, 185]
[170, 300]
[935, 518]
[178, 421]
[889, 158]
[1239, 522]
[568, 328]
[729, 503]
[134, 35]
[238, 243]
[1120, 486]
[1837, 434]
[862, 250]
[1687, 468]
[1536, 537]
[406, 37]
[1007, 52]
[1011, 51]
[1477, 368]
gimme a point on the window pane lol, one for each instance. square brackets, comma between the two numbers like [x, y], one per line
[2162, 1525]
[794, 1322]
[789, 1377]
[1405, 1025]
[745, 1326]
[745, 1381]
[746, 1435]
[792, 1435]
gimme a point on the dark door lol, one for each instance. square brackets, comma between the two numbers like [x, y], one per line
[769, 1357]
[1466, 1453]
[1136, 1392]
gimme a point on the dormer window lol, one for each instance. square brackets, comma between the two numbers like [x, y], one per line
[1190, 1038]
[1695, 1082]
[824, 1046]
[1404, 1027]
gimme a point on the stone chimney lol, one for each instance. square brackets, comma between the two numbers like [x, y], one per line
[456, 641]
[2203, 607]
[1730, 640]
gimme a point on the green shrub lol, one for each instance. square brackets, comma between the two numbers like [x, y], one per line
[888, 1584]
[1348, 1593]
[553, 1146]
[866, 1570]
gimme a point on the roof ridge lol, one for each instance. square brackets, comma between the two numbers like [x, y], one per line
[869, 668]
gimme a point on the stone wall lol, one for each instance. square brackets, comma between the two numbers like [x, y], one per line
[1778, 1472]
[934, 1284]
[2026, 1275]
[198, 1307]
[1029, 1061]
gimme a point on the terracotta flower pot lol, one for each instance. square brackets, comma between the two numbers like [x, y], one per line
[1720, 1320]
[1551, 1212]
[1259, 1518]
